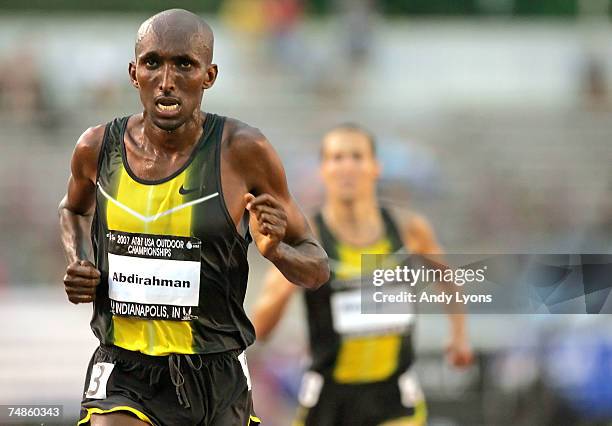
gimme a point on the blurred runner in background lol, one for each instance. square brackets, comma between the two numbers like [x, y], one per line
[360, 374]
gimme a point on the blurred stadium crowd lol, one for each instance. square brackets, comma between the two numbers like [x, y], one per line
[493, 118]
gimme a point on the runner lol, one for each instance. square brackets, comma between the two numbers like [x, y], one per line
[174, 195]
[359, 375]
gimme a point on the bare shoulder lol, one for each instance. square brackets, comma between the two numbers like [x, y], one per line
[418, 222]
[253, 156]
[91, 139]
[404, 217]
[86, 152]
[241, 137]
[413, 224]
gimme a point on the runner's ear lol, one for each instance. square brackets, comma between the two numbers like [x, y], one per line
[211, 76]
[132, 72]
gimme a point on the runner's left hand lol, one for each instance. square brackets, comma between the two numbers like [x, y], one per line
[459, 353]
[268, 223]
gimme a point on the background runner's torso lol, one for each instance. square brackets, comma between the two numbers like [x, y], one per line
[188, 203]
[353, 356]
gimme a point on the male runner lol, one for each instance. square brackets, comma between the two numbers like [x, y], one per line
[166, 191]
[361, 373]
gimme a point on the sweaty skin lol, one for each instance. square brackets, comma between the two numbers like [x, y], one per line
[171, 70]
[350, 171]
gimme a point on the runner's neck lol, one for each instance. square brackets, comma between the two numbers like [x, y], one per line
[169, 142]
[356, 223]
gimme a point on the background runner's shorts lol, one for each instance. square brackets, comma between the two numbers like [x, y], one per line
[175, 390]
[397, 401]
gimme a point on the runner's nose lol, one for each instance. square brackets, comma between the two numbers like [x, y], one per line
[167, 81]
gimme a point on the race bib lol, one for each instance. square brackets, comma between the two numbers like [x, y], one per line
[153, 276]
[100, 373]
[348, 319]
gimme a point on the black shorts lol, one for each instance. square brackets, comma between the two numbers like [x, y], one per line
[175, 390]
[397, 401]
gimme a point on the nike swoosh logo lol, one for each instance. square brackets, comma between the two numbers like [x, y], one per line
[185, 191]
[147, 219]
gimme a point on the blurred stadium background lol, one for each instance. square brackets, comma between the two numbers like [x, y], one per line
[493, 119]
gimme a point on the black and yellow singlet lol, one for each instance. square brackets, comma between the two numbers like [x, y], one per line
[173, 266]
[344, 346]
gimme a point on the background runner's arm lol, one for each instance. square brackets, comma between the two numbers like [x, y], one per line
[420, 239]
[277, 224]
[75, 215]
[272, 303]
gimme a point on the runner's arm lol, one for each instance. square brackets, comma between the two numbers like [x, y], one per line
[420, 239]
[75, 213]
[278, 226]
[272, 302]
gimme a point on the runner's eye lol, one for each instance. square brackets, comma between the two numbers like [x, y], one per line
[151, 63]
[185, 64]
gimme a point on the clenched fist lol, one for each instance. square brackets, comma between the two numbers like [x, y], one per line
[268, 223]
[459, 353]
[80, 281]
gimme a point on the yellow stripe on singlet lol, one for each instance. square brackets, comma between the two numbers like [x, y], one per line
[151, 337]
[349, 258]
[370, 358]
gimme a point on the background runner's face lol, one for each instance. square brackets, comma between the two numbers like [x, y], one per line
[171, 72]
[348, 166]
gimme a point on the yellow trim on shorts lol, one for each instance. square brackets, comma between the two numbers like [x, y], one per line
[300, 417]
[96, 410]
[254, 419]
[419, 418]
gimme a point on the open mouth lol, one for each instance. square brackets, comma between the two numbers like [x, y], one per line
[167, 105]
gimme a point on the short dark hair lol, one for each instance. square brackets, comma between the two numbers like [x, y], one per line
[351, 127]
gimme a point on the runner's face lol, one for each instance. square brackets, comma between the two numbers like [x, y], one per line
[348, 166]
[171, 74]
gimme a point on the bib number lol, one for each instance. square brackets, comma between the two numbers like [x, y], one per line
[348, 319]
[153, 276]
[100, 373]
